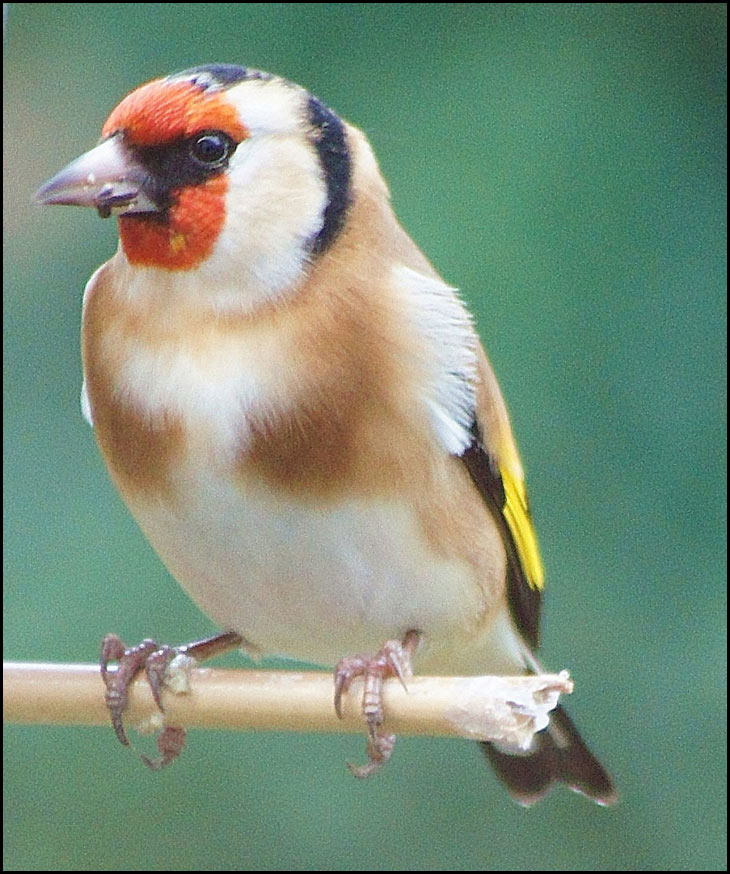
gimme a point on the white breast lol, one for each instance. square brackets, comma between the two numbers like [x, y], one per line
[313, 583]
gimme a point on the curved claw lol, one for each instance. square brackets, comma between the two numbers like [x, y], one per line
[130, 662]
[345, 672]
[155, 668]
[393, 660]
[155, 660]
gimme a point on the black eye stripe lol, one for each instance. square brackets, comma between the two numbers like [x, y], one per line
[185, 162]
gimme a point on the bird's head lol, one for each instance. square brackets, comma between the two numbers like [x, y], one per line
[218, 169]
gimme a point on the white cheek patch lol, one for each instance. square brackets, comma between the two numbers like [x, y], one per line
[274, 205]
[274, 208]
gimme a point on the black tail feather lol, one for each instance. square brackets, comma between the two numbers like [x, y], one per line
[559, 756]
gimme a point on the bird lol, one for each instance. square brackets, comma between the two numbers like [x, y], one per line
[297, 410]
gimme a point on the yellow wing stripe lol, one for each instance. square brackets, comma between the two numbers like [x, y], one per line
[517, 513]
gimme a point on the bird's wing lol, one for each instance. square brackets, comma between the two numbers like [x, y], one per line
[470, 419]
[494, 465]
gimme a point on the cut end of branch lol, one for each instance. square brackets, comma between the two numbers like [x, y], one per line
[506, 710]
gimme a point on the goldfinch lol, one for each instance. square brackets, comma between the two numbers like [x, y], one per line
[296, 408]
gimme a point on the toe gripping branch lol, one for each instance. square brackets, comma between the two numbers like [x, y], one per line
[395, 659]
[155, 661]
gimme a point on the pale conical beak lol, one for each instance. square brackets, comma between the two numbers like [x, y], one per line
[108, 178]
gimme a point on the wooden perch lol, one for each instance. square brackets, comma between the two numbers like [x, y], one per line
[505, 709]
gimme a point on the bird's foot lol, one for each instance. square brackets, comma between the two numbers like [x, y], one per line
[395, 659]
[157, 662]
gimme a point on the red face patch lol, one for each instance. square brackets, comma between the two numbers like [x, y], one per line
[188, 233]
[162, 111]
[157, 114]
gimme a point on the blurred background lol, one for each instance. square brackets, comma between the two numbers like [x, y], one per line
[564, 165]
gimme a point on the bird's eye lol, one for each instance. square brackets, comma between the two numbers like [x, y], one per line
[211, 149]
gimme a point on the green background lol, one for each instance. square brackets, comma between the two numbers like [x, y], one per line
[564, 165]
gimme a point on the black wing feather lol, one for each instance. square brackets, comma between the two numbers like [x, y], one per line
[524, 600]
